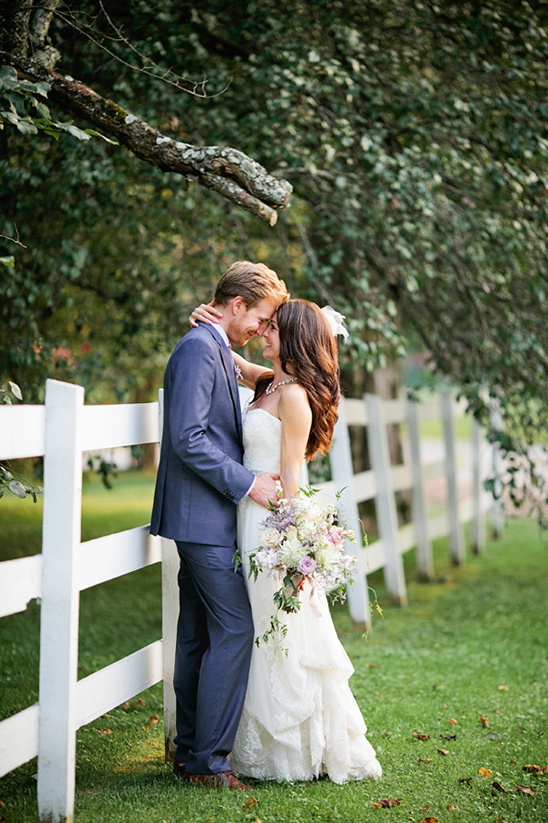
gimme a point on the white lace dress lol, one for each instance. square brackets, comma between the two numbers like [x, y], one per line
[300, 719]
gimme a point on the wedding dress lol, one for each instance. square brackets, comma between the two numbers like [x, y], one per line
[300, 719]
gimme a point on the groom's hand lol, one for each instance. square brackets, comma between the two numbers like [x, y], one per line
[265, 490]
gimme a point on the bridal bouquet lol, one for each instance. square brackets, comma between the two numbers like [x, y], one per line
[302, 540]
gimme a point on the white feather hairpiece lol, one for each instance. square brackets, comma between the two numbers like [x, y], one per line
[336, 321]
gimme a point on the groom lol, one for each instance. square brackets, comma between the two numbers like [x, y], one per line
[200, 480]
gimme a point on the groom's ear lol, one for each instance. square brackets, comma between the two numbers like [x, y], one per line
[237, 304]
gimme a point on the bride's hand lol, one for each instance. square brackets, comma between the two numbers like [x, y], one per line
[206, 312]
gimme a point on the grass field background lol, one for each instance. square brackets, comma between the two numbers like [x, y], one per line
[465, 664]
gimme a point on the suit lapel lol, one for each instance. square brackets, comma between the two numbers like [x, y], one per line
[230, 373]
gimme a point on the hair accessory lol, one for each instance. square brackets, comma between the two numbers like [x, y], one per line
[336, 321]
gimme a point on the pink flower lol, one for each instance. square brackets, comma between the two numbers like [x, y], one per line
[306, 564]
[334, 535]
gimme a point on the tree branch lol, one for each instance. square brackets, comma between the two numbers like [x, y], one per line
[41, 21]
[227, 171]
[14, 22]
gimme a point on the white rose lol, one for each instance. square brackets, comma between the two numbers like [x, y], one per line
[271, 537]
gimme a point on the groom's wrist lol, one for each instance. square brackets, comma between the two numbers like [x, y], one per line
[248, 492]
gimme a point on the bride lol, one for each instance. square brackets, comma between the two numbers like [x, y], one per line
[300, 720]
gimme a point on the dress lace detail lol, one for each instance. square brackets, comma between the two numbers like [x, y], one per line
[300, 719]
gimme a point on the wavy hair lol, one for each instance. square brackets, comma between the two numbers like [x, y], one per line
[308, 351]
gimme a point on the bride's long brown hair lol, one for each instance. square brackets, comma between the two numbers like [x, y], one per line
[308, 351]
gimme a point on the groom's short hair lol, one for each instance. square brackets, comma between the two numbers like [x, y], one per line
[253, 282]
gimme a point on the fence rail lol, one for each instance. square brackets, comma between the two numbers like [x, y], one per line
[61, 431]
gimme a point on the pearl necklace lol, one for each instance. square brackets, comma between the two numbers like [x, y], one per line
[272, 388]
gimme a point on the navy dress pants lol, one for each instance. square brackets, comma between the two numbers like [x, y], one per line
[214, 642]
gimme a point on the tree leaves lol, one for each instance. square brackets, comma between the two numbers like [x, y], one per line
[419, 163]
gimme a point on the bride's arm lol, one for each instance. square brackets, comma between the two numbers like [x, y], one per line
[206, 312]
[250, 372]
[296, 416]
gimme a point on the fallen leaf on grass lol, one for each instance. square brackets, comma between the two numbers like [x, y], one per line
[498, 787]
[443, 751]
[104, 731]
[484, 772]
[423, 808]
[430, 820]
[484, 722]
[467, 780]
[451, 807]
[147, 726]
[386, 802]
[533, 769]
[251, 802]
[140, 702]
[126, 705]
[421, 736]
[503, 688]
[448, 736]
[426, 760]
[452, 721]
[525, 790]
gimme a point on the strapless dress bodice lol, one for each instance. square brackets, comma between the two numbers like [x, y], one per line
[262, 433]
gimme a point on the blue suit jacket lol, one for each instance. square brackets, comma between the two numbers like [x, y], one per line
[200, 476]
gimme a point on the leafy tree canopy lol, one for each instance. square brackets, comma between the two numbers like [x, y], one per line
[414, 135]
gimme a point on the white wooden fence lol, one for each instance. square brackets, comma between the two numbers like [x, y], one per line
[61, 431]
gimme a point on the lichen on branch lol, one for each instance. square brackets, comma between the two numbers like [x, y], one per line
[226, 170]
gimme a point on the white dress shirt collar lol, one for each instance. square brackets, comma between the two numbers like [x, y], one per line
[222, 332]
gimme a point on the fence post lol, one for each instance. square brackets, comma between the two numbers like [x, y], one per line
[342, 476]
[497, 508]
[425, 560]
[384, 502]
[456, 535]
[478, 519]
[60, 602]
[170, 611]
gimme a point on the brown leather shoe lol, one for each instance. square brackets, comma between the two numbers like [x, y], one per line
[219, 780]
[179, 768]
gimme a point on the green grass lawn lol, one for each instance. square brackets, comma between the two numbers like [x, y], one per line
[432, 428]
[464, 664]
